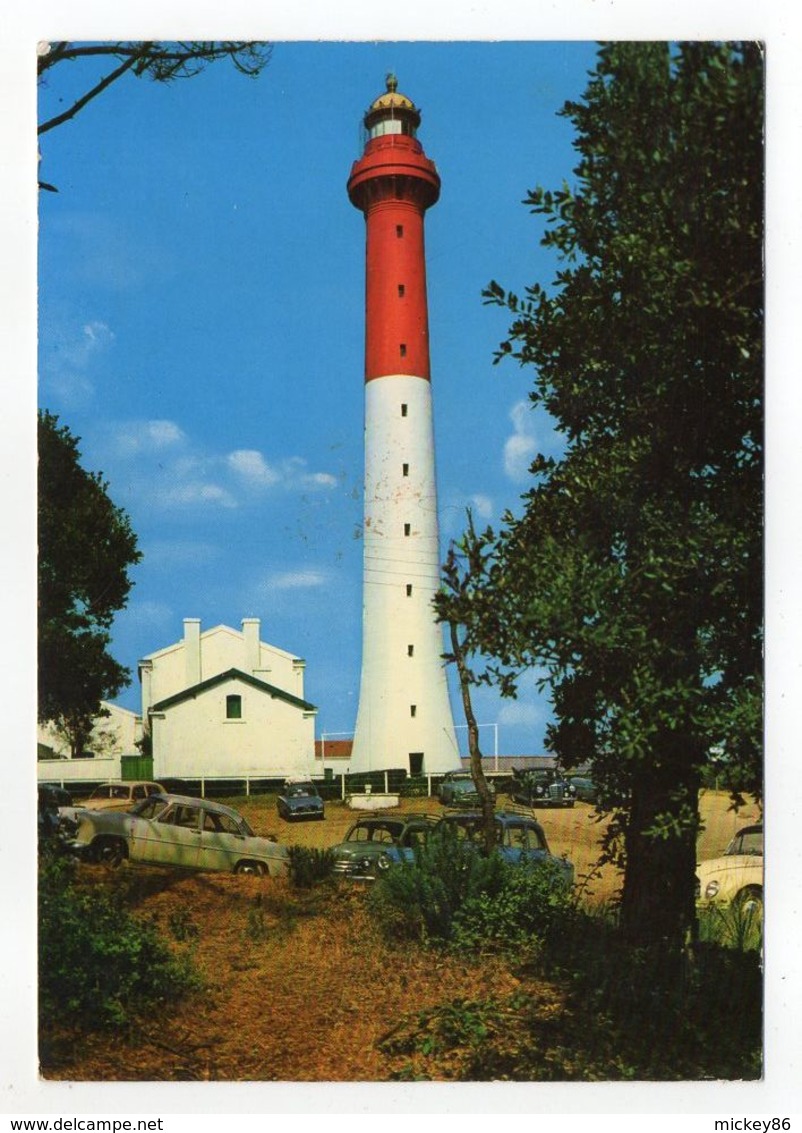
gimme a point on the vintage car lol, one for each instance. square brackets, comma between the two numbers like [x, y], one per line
[120, 795]
[299, 798]
[375, 843]
[457, 788]
[55, 812]
[541, 788]
[519, 839]
[176, 830]
[585, 789]
[736, 878]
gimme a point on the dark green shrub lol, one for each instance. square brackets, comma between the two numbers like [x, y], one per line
[98, 964]
[531, 903]
[419, 900]
[309, 865]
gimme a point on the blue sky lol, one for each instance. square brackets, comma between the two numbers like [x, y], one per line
[202, 318]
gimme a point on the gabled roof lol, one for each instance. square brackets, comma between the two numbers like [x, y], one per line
[233, 675]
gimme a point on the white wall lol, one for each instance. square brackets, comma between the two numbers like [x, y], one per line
[194, 738]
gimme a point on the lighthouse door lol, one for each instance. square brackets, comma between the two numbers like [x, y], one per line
[415, 762]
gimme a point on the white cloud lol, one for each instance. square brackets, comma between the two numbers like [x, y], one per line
[194, 493]
[517, 713]
[146, 437]
[482, 506]
[69, 357]
[252, 467]
[521, 448]
[295, 580]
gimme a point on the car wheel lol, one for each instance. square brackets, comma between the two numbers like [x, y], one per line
[253, 868]
[750, 901]
[110, 852]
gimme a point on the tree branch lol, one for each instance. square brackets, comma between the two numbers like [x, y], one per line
[93, 93]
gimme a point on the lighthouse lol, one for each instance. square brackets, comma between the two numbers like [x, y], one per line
[404, 718]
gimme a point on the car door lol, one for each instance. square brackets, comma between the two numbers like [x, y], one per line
[222, 842]
[173, 838]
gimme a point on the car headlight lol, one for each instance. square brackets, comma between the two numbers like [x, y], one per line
[711, 889]
[383, 863]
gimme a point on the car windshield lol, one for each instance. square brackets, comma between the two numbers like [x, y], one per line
[299, 790]
[747, 842]
[374, 832]
[149, 808]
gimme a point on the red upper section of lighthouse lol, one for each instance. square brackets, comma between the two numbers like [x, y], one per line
[393, 183]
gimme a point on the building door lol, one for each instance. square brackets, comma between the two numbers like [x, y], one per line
[416, 762]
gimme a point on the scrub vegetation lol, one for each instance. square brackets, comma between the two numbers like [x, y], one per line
[436, 973]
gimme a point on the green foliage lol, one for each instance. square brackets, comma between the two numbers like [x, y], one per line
[86, 547]
[737, 925]
[634, 575]
[419, 900]
[310, 865]
[98, 965]
[531, 904]
[182, 925]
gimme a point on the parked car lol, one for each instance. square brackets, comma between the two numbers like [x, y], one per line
[737, 876]
[585, 789]
[457, 788]
[375, 843]
[519, 838]
[55, 812]
[542, 788]
[121, 796]
[176, 830]
[299, 798]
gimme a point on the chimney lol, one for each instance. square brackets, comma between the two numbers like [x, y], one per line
[192, 651]
[253, 652]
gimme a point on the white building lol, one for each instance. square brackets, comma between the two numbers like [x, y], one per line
[114, 735]
[222, 703]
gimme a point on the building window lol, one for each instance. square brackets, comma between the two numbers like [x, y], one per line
[410, 651]
[413, 709]
[403, 349]
[409, 590]
[399, 230]
[405, 470]
[233, 707]
[403, 409]
[407, 528]
[400, 291]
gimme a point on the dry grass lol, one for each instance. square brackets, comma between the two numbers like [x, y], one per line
[300, 986]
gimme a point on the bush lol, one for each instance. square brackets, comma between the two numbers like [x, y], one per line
[309, 866]
[419, 900]
[530, 905]
[98, 964]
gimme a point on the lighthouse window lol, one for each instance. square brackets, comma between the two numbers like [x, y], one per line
[400, 291]
[405, 470]
[399, 230]
[410, 651]
[413, 709]
[233, 708]
[403, 410]
[403, 349]
[407, 529]
[409, 590]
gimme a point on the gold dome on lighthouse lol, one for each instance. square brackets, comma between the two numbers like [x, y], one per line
[392, 106]
[392, 97]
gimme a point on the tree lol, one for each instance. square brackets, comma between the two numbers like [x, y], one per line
[161, 62]
[453, 605]
[634, 574]
[86, 547]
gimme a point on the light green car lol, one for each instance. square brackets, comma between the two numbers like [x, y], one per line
[175, 830]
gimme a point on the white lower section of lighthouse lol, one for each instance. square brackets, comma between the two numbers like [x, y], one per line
[404, 718]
